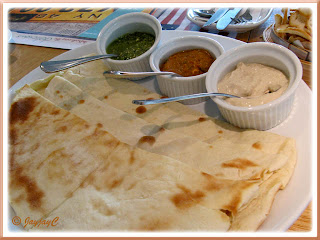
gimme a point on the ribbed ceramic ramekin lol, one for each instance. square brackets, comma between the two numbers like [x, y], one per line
[268, 115]
[129, 23]
[178, 86]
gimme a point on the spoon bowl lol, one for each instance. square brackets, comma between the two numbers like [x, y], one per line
[207, 13]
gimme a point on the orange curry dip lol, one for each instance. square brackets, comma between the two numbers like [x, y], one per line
[189, 62]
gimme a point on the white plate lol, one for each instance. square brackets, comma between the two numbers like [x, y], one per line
[259, 17]
[289, 203]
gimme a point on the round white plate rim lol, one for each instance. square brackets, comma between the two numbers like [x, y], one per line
[277, 220]
[232, 27]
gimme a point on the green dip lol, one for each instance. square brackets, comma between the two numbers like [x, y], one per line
[131, 45]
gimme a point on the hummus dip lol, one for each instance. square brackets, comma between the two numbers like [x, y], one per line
[260, 84]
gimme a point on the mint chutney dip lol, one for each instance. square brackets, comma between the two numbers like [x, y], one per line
[131, 45]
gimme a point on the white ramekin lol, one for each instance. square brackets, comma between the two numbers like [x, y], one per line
[268, 115]
[129, 23]
[178, 86]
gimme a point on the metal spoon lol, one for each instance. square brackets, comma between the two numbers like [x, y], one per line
[175, 99]
[55, 66]
[120, 74]
[207, 13]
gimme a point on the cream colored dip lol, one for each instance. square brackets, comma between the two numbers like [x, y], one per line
[260, 83]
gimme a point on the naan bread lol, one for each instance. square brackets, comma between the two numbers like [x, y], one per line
[51, 153]
[179, 121]
[254, 213]
[182, 119]
[173, 116]
[94, 110]
[142, 191]
[74, 163]
[222, 158]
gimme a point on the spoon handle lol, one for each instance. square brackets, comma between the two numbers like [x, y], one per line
[174, 99]
[55, 66]
[120, 74]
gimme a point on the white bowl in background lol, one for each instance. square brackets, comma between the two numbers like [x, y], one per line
[268, 115]
[129, 23]
[178, 86]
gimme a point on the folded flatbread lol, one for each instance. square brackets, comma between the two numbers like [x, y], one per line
[132, 129]
[183, 170]
[173, 116]
[222, 158]
[151, 192]
[51, 153]
[74, 163]
[182, 119]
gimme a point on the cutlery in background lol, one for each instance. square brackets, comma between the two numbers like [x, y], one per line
[227, 18]
[246, 16]
[204, 13]
[243, 16]
[216, 16]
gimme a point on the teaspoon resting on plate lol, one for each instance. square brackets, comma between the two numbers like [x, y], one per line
[120, 74]
[180, 98]
[55, 66]
[197, 95]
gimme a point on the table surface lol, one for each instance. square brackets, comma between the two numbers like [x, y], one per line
[30, 58]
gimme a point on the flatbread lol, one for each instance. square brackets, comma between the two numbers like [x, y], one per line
[255, 212]
[78, 164]
[92, 113]
[173, 116]
[51, 153]
[222, 158]
[152, 193]
[245, 215]
[176, 117]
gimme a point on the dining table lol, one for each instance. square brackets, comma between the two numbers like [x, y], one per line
[25, 58]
